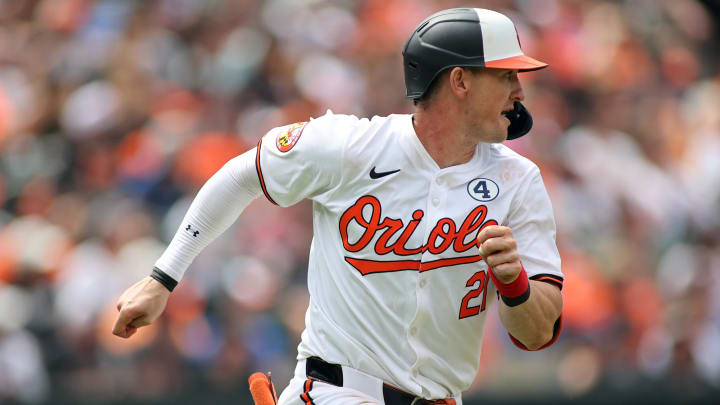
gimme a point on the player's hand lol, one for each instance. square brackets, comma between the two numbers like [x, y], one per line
[499, 250]
[140, 305]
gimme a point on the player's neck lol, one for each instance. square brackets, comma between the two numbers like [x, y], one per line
[443, 140]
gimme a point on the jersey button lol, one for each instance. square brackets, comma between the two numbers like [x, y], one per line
[415, 373]
[435, 201]
[439, 181]
[413, 331]
[422, 283]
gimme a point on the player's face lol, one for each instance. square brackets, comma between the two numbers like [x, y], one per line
[493, 92]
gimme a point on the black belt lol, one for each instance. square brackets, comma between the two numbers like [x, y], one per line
[319, 369]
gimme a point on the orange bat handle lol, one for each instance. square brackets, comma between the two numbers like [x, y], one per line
[262, 389]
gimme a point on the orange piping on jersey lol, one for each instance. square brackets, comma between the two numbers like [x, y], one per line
[305, 396]
[549, 278]
[259, 173]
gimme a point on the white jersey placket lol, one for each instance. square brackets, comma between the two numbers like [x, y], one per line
[434, 211]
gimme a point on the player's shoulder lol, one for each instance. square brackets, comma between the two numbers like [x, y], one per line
[361, 134]
[331, 120]
[316, 135]
[347, 123]
[329, 135]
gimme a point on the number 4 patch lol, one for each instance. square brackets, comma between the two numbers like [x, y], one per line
[483, 189]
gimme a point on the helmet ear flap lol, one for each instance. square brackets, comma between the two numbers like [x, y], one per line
[520, 121]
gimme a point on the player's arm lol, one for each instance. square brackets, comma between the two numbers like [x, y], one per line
[286, 167]
[534, 323]
[529, 309]
[217, 205]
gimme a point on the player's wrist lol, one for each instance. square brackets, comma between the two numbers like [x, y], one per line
[515, 292]
[163, 278]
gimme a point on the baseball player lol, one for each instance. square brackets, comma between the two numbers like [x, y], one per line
[420, 221]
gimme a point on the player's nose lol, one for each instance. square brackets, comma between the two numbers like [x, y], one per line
[517, 93]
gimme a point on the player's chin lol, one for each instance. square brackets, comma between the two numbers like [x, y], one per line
[495, 132]
[502, 130]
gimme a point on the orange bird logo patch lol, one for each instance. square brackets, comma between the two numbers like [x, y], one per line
[289, 137]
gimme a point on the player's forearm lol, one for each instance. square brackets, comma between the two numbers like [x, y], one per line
[217, 205]
[533, 321]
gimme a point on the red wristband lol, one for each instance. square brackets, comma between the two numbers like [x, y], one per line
[519, 288]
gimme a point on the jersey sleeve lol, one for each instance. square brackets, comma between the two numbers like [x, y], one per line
[302, 160]
[533, 225]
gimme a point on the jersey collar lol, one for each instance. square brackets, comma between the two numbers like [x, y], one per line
[418, 155]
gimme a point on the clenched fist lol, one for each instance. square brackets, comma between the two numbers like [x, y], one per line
[140, 305]
[499, 250]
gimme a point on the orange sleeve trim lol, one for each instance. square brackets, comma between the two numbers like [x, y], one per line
[556, 334]
[260, 175]
[549, 278]
[305, 396]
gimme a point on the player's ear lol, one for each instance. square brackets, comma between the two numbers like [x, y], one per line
[459, 82]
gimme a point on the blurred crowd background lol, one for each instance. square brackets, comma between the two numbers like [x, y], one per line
[114, 113]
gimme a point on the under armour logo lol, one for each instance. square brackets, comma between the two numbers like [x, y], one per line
[195, 233]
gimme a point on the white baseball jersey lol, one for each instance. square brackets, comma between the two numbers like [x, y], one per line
[397, 288]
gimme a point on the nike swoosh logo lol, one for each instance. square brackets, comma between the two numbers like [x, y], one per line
[377, 175]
